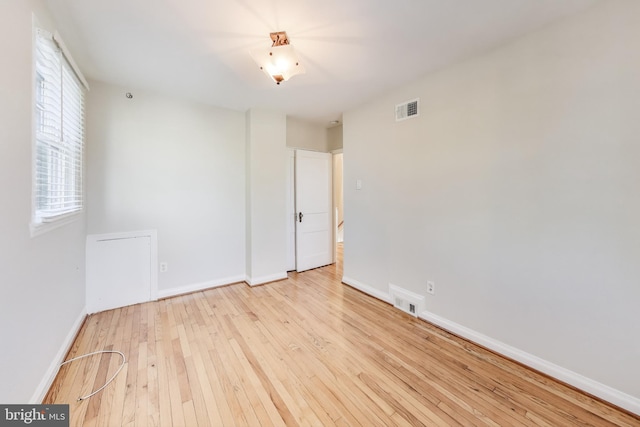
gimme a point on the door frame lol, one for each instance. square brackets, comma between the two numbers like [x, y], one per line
[291, 210]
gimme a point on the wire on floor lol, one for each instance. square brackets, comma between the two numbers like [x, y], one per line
[124, 360]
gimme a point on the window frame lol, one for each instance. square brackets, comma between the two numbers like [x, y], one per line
[73, 163]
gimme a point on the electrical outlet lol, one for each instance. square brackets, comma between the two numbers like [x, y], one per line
[164, 267]
[431, 287]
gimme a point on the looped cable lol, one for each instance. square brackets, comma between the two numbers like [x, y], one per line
[124, 360]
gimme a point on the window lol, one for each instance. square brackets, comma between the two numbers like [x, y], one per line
[59, 134]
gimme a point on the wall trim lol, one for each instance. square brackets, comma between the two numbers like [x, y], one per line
[574, 379]
[582, 383]
[265, 279]
[384, 296]
[52, 371]
[195, 287]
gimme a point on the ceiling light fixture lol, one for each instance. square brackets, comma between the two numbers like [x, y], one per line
[280, 61]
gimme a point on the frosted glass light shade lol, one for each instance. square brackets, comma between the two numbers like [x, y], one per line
[278, 62]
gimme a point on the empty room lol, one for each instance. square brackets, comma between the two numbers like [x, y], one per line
[286, 212]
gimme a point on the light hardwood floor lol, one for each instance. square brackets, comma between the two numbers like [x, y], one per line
[304, 351]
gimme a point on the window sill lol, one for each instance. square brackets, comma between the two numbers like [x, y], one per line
[39, 228]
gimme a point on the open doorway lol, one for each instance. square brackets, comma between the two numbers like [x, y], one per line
[310, 205]
[338, 199]
[338, 204]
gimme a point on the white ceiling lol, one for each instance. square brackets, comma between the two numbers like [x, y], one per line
[353, 50]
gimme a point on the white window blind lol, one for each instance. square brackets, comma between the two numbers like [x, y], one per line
[59, 134]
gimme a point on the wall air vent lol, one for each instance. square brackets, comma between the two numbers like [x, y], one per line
[405, 300]
[407, 110]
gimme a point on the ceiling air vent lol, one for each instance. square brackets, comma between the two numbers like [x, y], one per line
[407, 110]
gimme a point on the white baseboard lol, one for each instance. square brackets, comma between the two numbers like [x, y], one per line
[51, 373]
[602, 391]
[172, 292]
[581, 382]
[384, 296]
[255, 281]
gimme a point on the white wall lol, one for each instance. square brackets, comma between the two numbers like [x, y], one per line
[266, 158]
[176, 166]
[306, 135]
[41, 278]
[516, 191]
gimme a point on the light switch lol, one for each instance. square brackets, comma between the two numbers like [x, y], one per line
[358, 184]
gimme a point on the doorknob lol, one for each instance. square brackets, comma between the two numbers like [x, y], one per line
[300, 216]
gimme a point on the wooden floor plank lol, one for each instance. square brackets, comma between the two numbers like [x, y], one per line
[304, 351]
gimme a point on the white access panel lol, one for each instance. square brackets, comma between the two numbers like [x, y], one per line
[120, 270]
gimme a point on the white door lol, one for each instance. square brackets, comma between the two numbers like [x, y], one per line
[118, 272]
[314, 225]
